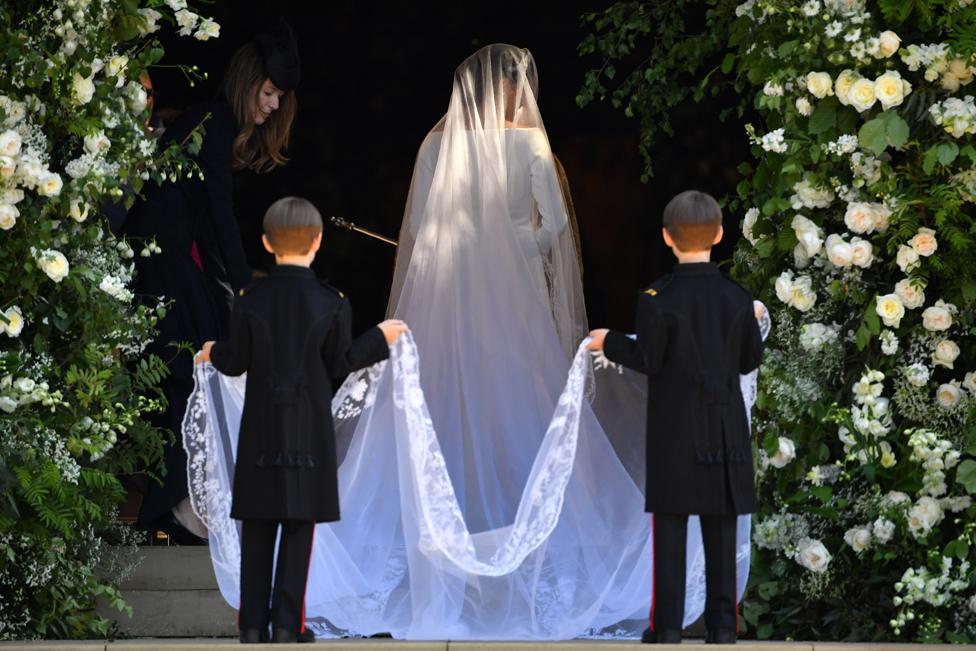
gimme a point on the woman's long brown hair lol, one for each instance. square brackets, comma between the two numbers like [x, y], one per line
[257, 147]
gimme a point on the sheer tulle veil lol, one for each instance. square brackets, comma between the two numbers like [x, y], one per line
[481, 496]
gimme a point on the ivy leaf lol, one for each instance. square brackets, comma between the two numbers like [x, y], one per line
[947, 152]
[966, 475]
[822, 119]
[872, 136]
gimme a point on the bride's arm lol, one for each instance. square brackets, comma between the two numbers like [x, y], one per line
[546, 191]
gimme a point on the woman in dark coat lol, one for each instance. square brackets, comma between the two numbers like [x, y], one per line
[202, 264]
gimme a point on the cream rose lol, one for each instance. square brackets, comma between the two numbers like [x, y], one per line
[945, 353]
[54, 264]
[950, 82]
[889, 89]
[116, 65]
[8, 216]
[820, 85]
[860, 217]
[50, 185]
[812, 555]
[7, 166]
[858, 538]
[97, 143]
[82, 88]
[10, 142]
[937, 318]
[15, 321]
[802, 296]
[784, 286]
[962, 71]
[882, 216]
[911, 294]
[785, 453]
[925, 514]
[804, 107]
[842, 86]
[839, 252]
[748, 223]
[924, 242]
[907, 258]
[948, 395]
[861, 95]
[891, 310]
[809, 235]
[862, 252]
[888, 43]
[969, 383]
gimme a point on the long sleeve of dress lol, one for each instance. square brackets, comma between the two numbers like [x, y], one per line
[233, 357]
[423, 177]
[215, 162]
[343, 354]
[546, 192]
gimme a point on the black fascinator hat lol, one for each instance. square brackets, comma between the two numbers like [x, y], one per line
[280, 51]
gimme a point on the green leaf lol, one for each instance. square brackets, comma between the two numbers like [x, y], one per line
[966, 475]
[822, 119]
[727, 63]
[872, 136]
[897, 131]
[969, 152]
[947, 152]
[928, 162]
[871, 318]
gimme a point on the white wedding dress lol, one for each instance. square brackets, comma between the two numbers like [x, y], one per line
[490, 478]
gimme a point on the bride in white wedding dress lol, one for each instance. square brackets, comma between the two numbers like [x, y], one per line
[481, 498]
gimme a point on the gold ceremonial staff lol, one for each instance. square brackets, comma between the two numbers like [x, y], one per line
[342, 223]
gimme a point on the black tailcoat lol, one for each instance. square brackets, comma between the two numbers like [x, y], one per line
[291, 334]
[696, 332]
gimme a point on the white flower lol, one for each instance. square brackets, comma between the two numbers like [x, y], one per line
[15, 321]
[924, 242]
[8, 216]
[911, 293]
[820, 84]
[784, 286]
[883, 529]
[812, 555]
[116, 65]
[917, 374]
[97, 143]
[176, 5]
[890, 89]
[82, 88]
[839, 252]
[862, 95]
[809, 234]
[807, 195]
[842, 86]
[114, 287]
[78, 210]
[785, 453]
[10, 142]
[844, 145]
[888, 43]
[136, 96]
[938, 317]
[858, 538]
[800, 256]
[924, 515]
[961, 71]
[8, 404]
[804, 107]
[24, 384]
[814, 336]
[862, 252]
[907, 259]
[861, 217]
[810, 8]
[891, 310]
[54, 264]
[802, 296]
[948, 395]
[945, 353]
[774, 142]
[950, 82]
[889, 342]
[150, 20]
[888, 459]
[895, 498]
[7, 167]
[970, 382]
[50, 185]
[187, 20]
[748, 223]
[208, 29]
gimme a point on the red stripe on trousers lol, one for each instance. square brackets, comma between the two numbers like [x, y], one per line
[653, 573]
[307, 571]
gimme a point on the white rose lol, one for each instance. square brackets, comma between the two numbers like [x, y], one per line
[812, 555]
[8, 216]
[861, 95]
[809, 234]
[7, 166]
[924, 242]
[907, 258]
[950, 82]
[862, 252]
[50, 185]
[970, 382]
[785, 453]
[883, 529]
[78, 210]
[948, 395]
[15, 321]
[97, 143]
[839, 252]
[945, 353]
[10, 142]
[82, 88]
[890, 309]
[784, 286]
[802, 296]
[889, 89]
[936, 318]
[925, 514]
[8, 404]
[842, 87]
[54, 264]
[804, 107]
[800, 256]
[888, 43]
[910, 293]
[895, 498]
[858, 538]
[748, 223]
[917, 374]
[882, 216]
[137, 97]
[116, 65]
[860, 217]
[24, 384]
[820, 84]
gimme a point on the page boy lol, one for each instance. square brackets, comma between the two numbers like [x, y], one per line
[291, 334]
[696, 333]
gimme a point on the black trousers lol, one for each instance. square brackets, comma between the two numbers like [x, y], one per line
[287, 604]
[670, 534]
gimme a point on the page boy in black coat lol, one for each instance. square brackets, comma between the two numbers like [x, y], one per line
[291, 334]
[696, 333]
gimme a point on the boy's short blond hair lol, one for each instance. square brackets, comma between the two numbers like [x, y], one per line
[692, 219]
[291, 225]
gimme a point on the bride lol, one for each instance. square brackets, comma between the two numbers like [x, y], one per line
[481, 497]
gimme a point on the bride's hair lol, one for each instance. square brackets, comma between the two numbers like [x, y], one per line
[291, 224]
[692, 219]
[257, 147]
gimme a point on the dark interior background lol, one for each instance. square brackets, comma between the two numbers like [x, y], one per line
[377, 75]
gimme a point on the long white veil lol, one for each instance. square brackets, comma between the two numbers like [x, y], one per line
[481, 497]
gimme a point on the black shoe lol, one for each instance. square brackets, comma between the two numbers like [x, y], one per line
[720, 637]
[254, 636]
[306, 636]
[282, 636]
[177, 533]
[661, 637]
